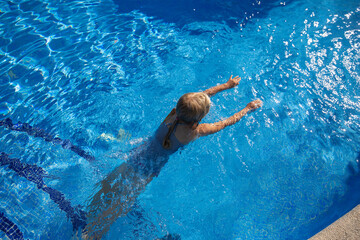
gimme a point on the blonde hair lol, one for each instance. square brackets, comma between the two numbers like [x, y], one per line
[191, 108]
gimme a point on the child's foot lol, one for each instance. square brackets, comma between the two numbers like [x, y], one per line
[107, 137]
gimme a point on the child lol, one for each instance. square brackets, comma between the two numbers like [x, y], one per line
[122, 186]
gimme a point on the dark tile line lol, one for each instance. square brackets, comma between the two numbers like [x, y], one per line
[36, 174]
[10, 229]
[41, 133]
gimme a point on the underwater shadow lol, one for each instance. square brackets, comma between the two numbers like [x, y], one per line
[182, 12]
[342, 204]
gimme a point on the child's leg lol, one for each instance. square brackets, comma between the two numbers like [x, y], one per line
[115, 198]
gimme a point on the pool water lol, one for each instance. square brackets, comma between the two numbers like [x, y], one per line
[104, 74]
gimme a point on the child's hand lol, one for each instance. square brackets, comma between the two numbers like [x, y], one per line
[232, 82]
[254, 104]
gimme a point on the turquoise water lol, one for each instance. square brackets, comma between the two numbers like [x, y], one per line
[83, 69]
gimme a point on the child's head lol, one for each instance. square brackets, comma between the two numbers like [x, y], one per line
[192, 107]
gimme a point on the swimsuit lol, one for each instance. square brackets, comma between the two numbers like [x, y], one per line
[150, 157]
[161, 133]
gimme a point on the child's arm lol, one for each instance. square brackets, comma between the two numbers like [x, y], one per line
[207, 129]
[173, 111]
[232, 82]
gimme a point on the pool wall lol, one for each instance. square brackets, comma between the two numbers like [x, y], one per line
[347, 227]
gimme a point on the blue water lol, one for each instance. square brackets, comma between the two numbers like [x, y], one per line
[80, 69]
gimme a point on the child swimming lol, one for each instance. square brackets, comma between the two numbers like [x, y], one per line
[119, 190]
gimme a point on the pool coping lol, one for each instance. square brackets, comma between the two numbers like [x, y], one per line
[347, 227]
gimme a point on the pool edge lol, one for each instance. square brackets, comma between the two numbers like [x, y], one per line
[346, 227]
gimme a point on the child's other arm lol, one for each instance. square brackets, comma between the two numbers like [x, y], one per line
[232, 82]
[207, 129]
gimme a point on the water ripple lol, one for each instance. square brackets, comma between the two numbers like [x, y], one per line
[79, 69]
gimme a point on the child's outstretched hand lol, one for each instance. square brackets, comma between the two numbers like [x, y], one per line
[233, 82]
[254, 105]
